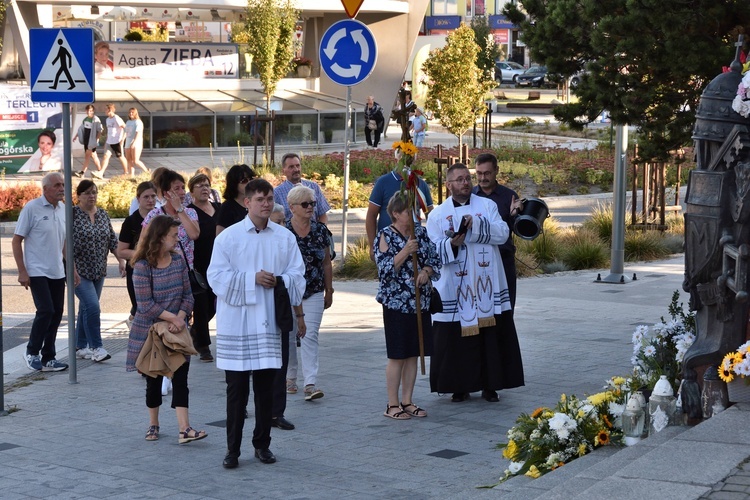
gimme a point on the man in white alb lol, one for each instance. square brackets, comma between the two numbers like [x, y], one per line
[247, 259]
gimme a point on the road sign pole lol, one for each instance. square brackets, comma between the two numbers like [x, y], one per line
[69, 269]
[617, 260]
[347, 129]
[3, 411]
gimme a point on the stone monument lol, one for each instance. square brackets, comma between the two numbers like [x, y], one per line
[717, 231]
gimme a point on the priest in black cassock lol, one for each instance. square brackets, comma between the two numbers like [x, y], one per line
[475, 341]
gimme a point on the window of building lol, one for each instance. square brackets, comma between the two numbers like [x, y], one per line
[475, 8]
[500, 5]
[444, 7]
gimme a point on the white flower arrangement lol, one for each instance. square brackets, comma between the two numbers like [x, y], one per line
[741, 103]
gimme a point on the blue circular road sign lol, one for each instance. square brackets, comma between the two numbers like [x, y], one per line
[348, 52]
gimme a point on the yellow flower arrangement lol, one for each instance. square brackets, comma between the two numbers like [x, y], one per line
[405, 148]
[533, 472]
[736, 364]
[602, 439]
[511, 450]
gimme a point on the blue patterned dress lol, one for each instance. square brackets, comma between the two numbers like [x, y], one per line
[156, 290]
[397, 295]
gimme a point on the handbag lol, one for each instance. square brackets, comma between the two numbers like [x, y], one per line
[198, 283]
[372, 124]
[436, 303]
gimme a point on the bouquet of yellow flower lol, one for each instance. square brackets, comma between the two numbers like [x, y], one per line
[736, 364]
[406, 152]
[551, 437]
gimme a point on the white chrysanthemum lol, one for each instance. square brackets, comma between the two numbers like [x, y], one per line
[743, 368]
[746, 346]
[616, 409]
[649, 351]
[562, 425]
[639, 333]
[553, 459]
[535, 434]
[514, 467]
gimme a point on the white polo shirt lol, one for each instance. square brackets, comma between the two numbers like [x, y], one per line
[42, 226]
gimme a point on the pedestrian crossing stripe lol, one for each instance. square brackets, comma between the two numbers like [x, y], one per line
[64, 64]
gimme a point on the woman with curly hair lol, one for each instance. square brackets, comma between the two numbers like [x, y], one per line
[162, 291]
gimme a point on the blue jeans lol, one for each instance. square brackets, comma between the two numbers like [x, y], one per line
[88, 325]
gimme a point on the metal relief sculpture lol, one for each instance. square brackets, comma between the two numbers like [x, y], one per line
[717, 222]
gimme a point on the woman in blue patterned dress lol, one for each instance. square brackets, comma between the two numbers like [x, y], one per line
[162, 292]
[93, 239]
[393, 255]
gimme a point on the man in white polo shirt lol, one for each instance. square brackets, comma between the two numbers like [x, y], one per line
[38, 249]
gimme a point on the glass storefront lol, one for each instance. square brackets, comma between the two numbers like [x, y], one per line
[222, 119]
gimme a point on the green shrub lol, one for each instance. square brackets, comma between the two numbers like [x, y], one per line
[582, 249]
[644, 245]
[357, 264]
[178, 140]
[521, 121]
[600, 221]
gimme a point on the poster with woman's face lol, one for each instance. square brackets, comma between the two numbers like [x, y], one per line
[48, 156]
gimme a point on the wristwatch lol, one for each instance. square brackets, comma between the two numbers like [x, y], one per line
[180, 210]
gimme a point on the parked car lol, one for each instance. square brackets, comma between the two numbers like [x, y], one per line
[536, 76]
[575, 80]
[507, 71]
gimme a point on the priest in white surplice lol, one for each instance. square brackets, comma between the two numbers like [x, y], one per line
[474, 347]
[247, 257]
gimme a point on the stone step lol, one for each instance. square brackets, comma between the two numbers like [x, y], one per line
[679, 463]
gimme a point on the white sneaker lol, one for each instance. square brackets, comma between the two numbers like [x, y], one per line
[100, 354]
[97, 175]
[166, 386]
[84, 353]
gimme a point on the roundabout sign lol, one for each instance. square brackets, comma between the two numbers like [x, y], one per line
[348, 52]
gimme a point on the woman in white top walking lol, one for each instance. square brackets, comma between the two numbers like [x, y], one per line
[134, 141]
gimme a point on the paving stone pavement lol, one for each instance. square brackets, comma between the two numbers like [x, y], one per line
[85, 440]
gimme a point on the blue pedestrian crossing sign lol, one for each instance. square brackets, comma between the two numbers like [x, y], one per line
[348, 52]
[62, 64]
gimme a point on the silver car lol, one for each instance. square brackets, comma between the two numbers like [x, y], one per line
[507, 71]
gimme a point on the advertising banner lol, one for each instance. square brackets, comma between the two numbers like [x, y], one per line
[169, 61]
[21, 121]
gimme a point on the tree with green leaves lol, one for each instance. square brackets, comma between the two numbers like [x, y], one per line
[270, 30]
[646, 62]
[456, 86]
[489, 51]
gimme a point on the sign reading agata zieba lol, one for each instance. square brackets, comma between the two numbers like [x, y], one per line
[146, 61]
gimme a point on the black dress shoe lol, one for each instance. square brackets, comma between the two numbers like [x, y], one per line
[282, 423]
[265, 456]
[459, 397]
[490, 396]
[230, 462]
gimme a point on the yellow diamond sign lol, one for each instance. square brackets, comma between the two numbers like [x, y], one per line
[352, 7]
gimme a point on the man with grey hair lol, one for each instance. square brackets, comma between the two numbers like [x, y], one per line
[38, 249]
[291, 166]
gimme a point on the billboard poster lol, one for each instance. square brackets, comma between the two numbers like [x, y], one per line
[21, 121]
[166, 61]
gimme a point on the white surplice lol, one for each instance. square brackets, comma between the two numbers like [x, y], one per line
[472, 283]
[246, 333]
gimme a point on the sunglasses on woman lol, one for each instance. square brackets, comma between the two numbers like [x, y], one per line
[308, 204]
